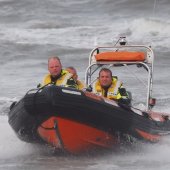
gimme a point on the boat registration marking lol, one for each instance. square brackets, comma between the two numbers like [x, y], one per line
[71, 92]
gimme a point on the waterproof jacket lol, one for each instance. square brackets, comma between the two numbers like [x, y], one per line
[115, 91]
[64, 79]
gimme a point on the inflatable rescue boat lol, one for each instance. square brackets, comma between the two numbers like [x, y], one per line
[78, 121]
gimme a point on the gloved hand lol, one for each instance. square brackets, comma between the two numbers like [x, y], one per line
[124, 101]
[71, 83]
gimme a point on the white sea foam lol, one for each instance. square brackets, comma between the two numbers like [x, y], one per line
[148, 31]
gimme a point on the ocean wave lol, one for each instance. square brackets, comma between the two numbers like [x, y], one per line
[149, 31]
[5, 103]
[36, 24]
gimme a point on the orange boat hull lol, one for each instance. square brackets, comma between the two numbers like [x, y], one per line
[75, 137]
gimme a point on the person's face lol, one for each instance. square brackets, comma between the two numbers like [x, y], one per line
[105, 79]
[54, 67]
[75, 76]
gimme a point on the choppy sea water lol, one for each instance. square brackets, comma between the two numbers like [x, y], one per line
[30, 31]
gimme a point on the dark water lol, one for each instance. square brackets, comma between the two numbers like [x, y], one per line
[30, 31]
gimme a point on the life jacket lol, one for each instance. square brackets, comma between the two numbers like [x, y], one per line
[80, 85]
[113, 90]
[61, 81]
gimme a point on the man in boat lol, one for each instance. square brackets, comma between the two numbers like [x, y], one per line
[72, 70]
[57, 75]
[109, 86]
